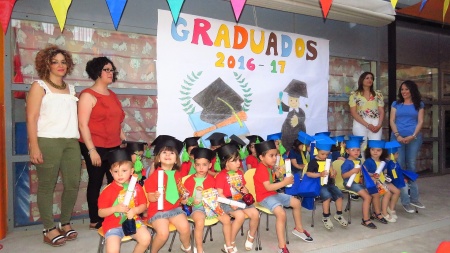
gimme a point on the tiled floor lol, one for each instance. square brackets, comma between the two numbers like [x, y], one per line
[413, 233]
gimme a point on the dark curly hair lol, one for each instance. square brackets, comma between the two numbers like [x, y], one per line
[415, 94]
[44, 58]
[383, 155]
[361, 80]
[95, 67]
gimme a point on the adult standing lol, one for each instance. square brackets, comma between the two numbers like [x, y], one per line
[100, 116]
[367, 109]
[52, 127]
[406, 121]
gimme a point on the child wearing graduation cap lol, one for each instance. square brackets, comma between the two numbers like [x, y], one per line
[115, 212]
[352, 166]
[281, 150]
[338, 148]
[195, 184]
[267, 196]
[230, 183]
[216, 140]
[167, 159]
[187, 159]
[136, 151]
[252, 160]
[298, 153]
[375, 153]
[329, 191]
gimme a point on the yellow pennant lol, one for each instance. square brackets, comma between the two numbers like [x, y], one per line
[394, 3]
[446, 3]
[60, 8]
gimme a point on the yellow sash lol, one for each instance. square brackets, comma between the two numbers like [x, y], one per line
[321, 168]
[358, 176]
[382, 178]
[303, 157]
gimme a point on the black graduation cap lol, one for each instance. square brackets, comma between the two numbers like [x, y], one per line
[160, 138]
[217, 139]
[296, 89]
[253, 138]
[134, 146]
[219, 101]
[168, 142]
[118, 155]
[265, 146]
[203, 153]
[237, 141]
[191, 141]
[226, 150]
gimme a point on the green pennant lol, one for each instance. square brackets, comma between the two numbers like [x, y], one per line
[185, 154]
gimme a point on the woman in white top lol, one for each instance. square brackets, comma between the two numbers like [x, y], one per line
[52, 127]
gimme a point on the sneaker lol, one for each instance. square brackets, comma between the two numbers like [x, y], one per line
[327, 222]
[354, 197]
[392, 213]
[283, 250]
[408, 208]
[340, 218]
[305, 236]
[417, 204]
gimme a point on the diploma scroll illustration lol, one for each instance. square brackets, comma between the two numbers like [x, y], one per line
[161, 189]
[327, 168]
[352, 177]
[130, 190]
[287, 164]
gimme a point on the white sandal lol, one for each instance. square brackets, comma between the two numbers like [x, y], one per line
[227, 248]
[392, 213]
[186, 250]
[249, 244]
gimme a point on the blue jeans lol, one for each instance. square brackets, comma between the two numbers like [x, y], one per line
[407, 156]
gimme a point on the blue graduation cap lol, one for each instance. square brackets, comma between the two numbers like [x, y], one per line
[353, 143]
[392, 146]
[305, 138]
[323, 142]
[356, 137]
[323, 133]
[375, 143]
[337, 139]
[274, 137]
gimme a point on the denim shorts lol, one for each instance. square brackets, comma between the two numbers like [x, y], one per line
[199, 208]
[355, 187]
[279, 199]
[118, 231]
[330, 192]
[166, 214]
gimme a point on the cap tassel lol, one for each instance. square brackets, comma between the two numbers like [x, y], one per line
[243, 153]
[201, 144]
[257, 140]
[282, 148]
[138, 166]
[392, 157]
[185, 155]
[147, 153]
[342, 151]
[315, 151]
[217, 164]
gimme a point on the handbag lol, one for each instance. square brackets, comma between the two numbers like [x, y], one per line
[309, 187]
[293, 190]
[129, 227]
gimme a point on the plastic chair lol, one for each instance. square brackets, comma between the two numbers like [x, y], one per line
[340, 184]
[251, 188]
[101, 244]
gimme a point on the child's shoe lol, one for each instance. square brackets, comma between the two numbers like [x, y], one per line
[389, 218]
[283, 250]
[340, 218]
[327, 222]
[305, 236]
[392, 213]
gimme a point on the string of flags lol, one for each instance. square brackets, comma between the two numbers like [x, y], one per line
[116, 8]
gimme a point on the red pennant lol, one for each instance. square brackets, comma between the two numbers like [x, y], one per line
[326, 5]
[6, 7]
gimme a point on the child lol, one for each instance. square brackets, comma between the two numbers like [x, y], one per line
[252, 160]
[328, 191]
[216, 140]
[195, 184]
[136, 150]
[266, 195]
[394, 171]
[281, 152]
[299, 151]
[338, 148]
[352, 165]
[230, 183]
[376, 153]
[167, 159]
[187, 166]
[111, 208]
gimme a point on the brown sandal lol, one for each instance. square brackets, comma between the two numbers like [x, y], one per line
[69, 235]
[56, 241]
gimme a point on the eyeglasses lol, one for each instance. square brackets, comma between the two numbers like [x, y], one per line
[109, 70]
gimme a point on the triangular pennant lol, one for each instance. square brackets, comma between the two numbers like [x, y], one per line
[423, 4]
[446, 3]
[326, 5]
[6, 7]
[238, 6]
[394, 3]
[60, 8]
[116, 8]
[175, 8]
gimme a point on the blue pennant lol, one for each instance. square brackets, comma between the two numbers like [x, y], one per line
[116, 8]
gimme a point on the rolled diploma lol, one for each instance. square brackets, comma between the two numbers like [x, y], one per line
[130, 189]
[287, 164]
[327, 168]
[277, 164]
[352, 177]
[231, 202]
[380, 167]
[161, 189]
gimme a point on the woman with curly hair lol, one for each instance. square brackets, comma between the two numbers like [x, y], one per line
[52, 126]
[100, 116]
[406, 122]
[367, 109]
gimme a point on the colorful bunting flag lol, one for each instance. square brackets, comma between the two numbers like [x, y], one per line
[175, 8]
[6, 7]
[60, 8]
[116, 8]
[446, 3]
[394, 3]
[326, 5]
[238, 6]
[423, 4]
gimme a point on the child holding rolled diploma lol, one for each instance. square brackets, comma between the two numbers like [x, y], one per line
[121, 200]
[321, 167]
[230, 183]
[163, 196]
[195, 184]
[351, 173]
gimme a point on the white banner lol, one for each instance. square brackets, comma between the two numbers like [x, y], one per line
[217, 76]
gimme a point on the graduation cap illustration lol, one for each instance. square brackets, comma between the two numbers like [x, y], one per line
[305, 138]
[217, 139]
[168, 142]
[265, 146]
[191, 141]
[235, 140]
[118, 155]
[226, 150]
[134, 146]
[296, 89]
[219, 102]
[254, 138]
[203, 153]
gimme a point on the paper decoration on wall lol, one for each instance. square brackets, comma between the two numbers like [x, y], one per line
[423, 4]
[60, 8]
[6, 7]
[116, 8]
[326, 5]
[238, 6]
[446, 3]
[175, 8]
[394, 3]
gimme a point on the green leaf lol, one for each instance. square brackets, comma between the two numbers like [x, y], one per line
[199, 73]
[245, 110]
[239, 77]
[244, 86]
[188, 108]
[247, 90]
[192, 111]
[235, 73]
[185, 88]
[247, 100]
[190, 79]
[246, 105]
[188, 83]
[185, 98]
[248, 95]
[186, 104]
[194, 76]
[185, 93]
[243, 80]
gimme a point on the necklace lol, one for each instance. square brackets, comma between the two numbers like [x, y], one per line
[62, 87]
